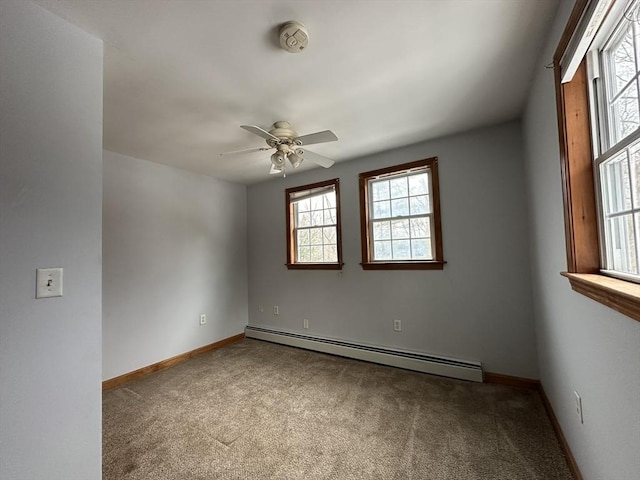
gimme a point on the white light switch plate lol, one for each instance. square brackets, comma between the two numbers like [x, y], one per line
[48, 282]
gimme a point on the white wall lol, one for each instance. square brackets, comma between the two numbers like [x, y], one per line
[50, 216]
[582, 345]
[174, 246]
[478, 308]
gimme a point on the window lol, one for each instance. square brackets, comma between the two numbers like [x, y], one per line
[400, 217]
[313, 226]
[598, 124]
[615, 121]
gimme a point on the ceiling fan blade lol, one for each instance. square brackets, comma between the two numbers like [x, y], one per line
[234, 152]
[318, 137]
[260, 132]
[318, 159]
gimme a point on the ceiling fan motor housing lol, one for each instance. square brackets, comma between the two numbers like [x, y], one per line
[283, 131]
[294, 37]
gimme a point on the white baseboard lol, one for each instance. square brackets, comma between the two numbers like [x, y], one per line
[420, 362]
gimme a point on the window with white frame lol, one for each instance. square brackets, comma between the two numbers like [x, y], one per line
[313, 226]
[614, 62]
[400, 217]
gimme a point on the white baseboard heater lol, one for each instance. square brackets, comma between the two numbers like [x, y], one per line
[420, 362]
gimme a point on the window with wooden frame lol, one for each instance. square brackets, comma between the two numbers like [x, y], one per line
[314, 238]
[400, 217]
[597, 81]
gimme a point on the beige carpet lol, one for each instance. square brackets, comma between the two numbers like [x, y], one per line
[256, 410]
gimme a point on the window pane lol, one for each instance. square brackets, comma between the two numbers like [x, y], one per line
[419, 205]
[382, 209]
[330, 199]
[315, 235]
[382, 230]
[317, 217]
[622, 244]
[623, 61]
[616, 184]
[304, 220]
[330, 253]
[418, 184]
[421, 249]
[401, 249]
[329, 235]
[399, 187]
[316, 202]
[400, 207]
[626, 116]
[380, 190]
[400, 229]
[316, 253]
[304, 205]
[420, 228]
[382, 250]
[303, 237]
[330, 217]
[304, 254]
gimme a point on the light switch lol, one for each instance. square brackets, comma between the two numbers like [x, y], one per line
[48, 282]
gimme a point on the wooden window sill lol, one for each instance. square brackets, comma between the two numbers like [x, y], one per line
[618, 294]
[314, 266]
[429, 265]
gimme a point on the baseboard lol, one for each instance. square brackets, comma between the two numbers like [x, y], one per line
[571, 461]
[169, 362]
[510, 381]
[420, 362]
[500, 379]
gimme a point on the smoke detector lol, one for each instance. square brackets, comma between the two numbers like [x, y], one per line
[294, 37]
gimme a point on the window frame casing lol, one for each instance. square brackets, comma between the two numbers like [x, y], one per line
[437, 263]
[290, 201]
[578, 185]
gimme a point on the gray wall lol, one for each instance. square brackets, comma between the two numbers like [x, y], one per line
[50, 216]
[478, 308]
[582, 345]
[174, 246]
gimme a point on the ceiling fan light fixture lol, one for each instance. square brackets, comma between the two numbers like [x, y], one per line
[295, 159]
[277, 159]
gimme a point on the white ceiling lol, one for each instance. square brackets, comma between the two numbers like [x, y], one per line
[181, 76]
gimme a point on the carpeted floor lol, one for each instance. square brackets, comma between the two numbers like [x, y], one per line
[256, 410]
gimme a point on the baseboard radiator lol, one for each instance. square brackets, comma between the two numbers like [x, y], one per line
[436, 365]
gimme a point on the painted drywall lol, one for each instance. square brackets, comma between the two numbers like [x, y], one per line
[478, 308]
[50, 216]
[174, 247]
[582, 345]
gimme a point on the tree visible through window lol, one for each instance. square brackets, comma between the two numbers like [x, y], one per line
[313, 226]
[615, 123]
[400, 216]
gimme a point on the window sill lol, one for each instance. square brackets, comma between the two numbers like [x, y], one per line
[618, 294]
[314, 266]
[430, 265]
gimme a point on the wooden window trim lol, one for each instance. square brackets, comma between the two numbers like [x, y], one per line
[438, 262]
[578, 188]
[291, 242]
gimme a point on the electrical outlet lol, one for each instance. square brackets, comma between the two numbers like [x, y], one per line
[260, 308]
[203, 319]
[276, 310]
[579, 406]
[397, 325]
[305, 323]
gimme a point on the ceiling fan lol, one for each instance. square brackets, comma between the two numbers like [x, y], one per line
[287, 144]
